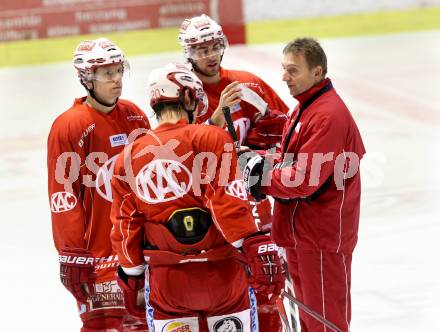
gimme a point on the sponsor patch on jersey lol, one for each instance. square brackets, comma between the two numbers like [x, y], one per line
[177, 327]
[118, 140]
[228, 324]
[107, 296]
[236, 189]
[235, 108]
[184, 324]
[62, 201]
[233, 322]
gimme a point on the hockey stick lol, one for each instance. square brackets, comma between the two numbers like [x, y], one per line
[228, 118]
[289, 289]
[283, 315]
[311, 312]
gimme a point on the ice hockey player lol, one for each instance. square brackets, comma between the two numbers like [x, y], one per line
[182, 223]
[258, 113]
[82, 146]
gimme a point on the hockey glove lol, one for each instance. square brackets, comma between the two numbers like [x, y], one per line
[268, 130]
[266, 271]
[130, 286]
[252, 176]
[77, 272]
[272, 123]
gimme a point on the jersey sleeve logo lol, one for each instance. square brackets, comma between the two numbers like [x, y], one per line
[236, 189]
[62, 201]
[163, 180]
[85, 133]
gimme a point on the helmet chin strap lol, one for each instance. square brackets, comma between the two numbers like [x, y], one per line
[190, 116]
[189, 112]
[93, 95]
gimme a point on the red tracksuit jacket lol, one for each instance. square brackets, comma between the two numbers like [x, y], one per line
[329, 219]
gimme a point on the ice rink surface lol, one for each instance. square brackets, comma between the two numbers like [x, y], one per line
[392, 86]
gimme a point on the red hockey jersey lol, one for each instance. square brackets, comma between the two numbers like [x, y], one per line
[175, 167]
[81, 150]
[243, 114]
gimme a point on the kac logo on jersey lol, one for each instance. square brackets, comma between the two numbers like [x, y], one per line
[236, 189]
[62, 201]
[118, 140]
[104, 177]
[163, 180]
[228, 324]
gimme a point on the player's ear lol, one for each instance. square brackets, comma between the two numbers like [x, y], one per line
[317, 73]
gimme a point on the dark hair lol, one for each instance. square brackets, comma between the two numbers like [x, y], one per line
[312, 50]
[163, 107]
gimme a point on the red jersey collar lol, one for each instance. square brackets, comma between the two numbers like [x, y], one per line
[168, 125]
[303, 97]
[82, 101]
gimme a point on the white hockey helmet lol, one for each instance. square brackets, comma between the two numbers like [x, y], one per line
[198, 30]
[91, 54]
[168, 84]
